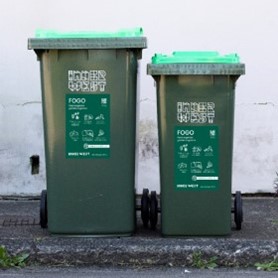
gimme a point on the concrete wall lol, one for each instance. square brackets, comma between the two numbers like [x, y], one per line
[247, 27]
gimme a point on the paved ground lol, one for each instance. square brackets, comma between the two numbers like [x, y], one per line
[256, 242]
[132, 272]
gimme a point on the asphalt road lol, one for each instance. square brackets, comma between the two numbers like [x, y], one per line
[70, 272]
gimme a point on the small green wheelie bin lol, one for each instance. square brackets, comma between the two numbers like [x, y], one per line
[89, 98]
[195, 98]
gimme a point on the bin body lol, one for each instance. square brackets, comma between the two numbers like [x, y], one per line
[89, 96]
[195, 120]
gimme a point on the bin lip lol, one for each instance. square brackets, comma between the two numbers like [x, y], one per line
[89, 43]
[196, 69]
[124, 38]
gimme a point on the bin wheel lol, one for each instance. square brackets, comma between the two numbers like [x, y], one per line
[145, 207]
[153, 210]
[43, 210]
[238, 217]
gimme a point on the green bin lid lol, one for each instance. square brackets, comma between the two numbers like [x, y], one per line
[196, 63]
[122, 33]
[195, 57]
[123, 38]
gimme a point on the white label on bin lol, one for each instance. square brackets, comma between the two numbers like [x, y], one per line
[87, 80]
[196, 112]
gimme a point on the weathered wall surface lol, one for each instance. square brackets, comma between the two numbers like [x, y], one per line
[246, 27]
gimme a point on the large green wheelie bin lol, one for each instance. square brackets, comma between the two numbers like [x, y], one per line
[195, 98]
[89, 97]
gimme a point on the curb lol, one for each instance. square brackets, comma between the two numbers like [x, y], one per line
[142, 251]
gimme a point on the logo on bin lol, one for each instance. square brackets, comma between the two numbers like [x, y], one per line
[196, 112]
[87, 80]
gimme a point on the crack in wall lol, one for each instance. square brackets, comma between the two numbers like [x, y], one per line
[4, 106]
